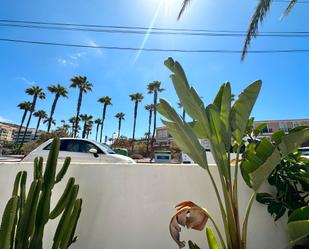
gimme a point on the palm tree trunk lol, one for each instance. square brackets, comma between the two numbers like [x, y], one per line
[149, 127]
[155, 99]
[37, 127]
[84, 130]
[28, 123]
[21, 123]
[79, 103]
[134, 124]
[96, 134]
[52, 112]
[119, 127]
[103, 118]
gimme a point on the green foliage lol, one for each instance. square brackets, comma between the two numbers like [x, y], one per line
[298, 225]
[226, 123]
[291, 181]
[212, 242]
[25, 216]
[193, 245]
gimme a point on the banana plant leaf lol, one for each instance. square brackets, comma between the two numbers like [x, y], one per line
[189, 98]
[212, 242]
[242, 108]
[298, 224]
[183, 134]
[260, 161]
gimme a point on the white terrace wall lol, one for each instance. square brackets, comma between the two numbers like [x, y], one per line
[129, 206]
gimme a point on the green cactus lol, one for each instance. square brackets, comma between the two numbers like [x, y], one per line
[26, 215]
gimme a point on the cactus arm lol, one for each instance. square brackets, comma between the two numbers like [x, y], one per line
[7, 223]
[63, 200]
[65, 218]
[26, 224]
[22, 192]
[76, 218]
[50, 170]
[16, 183]
[38, 168]
[68, 237]
[63, 170]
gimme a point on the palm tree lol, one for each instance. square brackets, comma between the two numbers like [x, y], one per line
[257, 18]
[98, 122]
[25, 106]
[59, 91]
[36, 92]
[84, 86]
[183, 111]
[120, 116]
[89, 128]
[40, 114]
[154, 88]
[149, 108]
[105, 101]
[87, 120]
[136, 98]
[49, 120]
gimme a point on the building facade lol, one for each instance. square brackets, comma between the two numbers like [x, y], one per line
[163, 137]
[6, 132]
[29, 135]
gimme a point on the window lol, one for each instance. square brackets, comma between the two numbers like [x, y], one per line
[75, 146]
[284, 126]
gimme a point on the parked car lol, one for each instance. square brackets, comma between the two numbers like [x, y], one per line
[304, 151]
[80, 150]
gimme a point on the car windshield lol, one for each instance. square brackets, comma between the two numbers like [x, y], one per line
[106, 148]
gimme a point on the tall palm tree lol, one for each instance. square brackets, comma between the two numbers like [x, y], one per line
[120, 117]
[87, 120]
[59, 91]
[89, 128]
[36, 92]
[149, 108]
[40, 114]
[183, 111]
[105, 101]
[98, 122]
[49, 120]
[26, 107]
[82, 83]
[136, 98]
[257, 18]
[72, 121]
[154, 88]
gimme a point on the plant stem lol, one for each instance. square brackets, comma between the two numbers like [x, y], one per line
[245, 224]
[218, 231]
[223, 214]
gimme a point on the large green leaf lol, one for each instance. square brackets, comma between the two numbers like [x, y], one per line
[183, 134]
[298, 223]
[212, 242]
[223, 102]
[216, 130]
[242, 108]
[260, 161]
[189, 98]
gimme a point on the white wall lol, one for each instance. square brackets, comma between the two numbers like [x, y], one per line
[129, 207]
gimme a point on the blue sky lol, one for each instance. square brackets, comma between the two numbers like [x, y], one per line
[119, 73]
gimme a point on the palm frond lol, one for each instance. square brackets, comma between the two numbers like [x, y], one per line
[258, 17]
[289, 8]
[185, 4]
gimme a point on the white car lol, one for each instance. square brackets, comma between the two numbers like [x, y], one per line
[80, 150]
